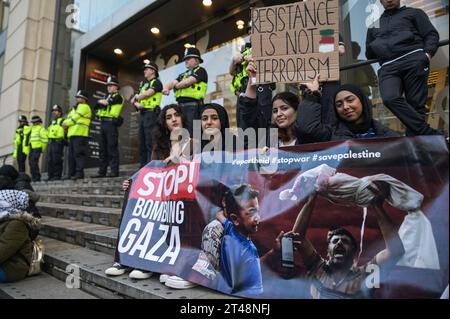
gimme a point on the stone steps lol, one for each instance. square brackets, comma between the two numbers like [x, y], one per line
[42, 286]
[93, 236]
[63, 258]
[82, 190]
[107, 201]
[91, 215]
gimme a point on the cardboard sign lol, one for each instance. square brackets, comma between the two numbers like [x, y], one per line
[293, 43]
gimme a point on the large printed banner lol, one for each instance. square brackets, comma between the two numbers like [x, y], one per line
[352, 219]
[294, 42]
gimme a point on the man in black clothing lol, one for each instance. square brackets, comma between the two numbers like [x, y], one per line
[404, 43]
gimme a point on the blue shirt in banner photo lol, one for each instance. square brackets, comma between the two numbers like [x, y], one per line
[239, 264]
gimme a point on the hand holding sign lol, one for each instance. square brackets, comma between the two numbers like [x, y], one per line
[251, 70]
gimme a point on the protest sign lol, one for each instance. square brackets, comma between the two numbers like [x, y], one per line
[295, 42]
[220, 224]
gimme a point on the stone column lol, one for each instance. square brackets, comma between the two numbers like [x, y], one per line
[27, 65]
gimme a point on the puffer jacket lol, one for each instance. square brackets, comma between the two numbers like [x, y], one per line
[16, 244]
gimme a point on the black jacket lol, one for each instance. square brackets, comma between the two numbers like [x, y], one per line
[253, 117]
[310, 125]
[399, 32]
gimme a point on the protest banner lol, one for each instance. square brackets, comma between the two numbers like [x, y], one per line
[293, 43]
[220, 224]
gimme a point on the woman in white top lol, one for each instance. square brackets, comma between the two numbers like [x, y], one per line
[171, 145]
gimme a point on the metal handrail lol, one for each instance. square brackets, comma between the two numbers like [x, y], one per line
[367, 62]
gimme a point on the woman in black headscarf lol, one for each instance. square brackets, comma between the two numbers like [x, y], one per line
[214, 119]
[353, 112]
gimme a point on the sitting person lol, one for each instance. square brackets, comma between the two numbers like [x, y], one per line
[285, 111]
[170, 151]
[353, 112]
[22, 182]
[17, 229]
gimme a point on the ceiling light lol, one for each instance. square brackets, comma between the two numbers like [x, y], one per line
[118, 51]
[207, 3]
[146, 61]
[240, 24]
[155, 30]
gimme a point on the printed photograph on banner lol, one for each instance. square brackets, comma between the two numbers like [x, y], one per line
[339, 220]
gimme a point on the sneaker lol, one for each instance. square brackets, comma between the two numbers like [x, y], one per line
[163, 278]
[179, 283]
[140, 274]
[116, 270]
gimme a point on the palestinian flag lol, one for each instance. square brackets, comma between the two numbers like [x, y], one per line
[326, 43]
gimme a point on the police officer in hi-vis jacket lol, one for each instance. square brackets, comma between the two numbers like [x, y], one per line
[147, 103]
[56, 143]
[37, 144]
[108, 112]
[77, 126]
[20, 149]
[190, 87]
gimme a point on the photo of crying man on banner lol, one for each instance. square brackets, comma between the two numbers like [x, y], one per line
[351, 219]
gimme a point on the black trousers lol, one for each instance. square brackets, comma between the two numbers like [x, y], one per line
[192, 111]
[109, 148]
[407, 76]
[78, 147]
[147, 122]
[33, 160]
[21, 160]
[55, 158]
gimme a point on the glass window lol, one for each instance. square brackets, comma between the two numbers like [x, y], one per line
[92, 12]
[4, 15]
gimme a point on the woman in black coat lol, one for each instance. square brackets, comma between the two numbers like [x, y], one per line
[353, 112]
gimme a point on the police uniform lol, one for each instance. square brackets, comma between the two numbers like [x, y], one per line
[37, 144]
[78, 122]
[191, 98]
[110, 120]
[264, 92]
[149, 114]
[57, 140]
[21, 150]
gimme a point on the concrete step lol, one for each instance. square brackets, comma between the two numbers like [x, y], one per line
[92, 215]
[107, 201]
[62, 259]
[42, 286]
[111, 189]
[100, 238]
[41, 186]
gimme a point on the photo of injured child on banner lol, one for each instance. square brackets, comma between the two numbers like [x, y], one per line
[353, 219]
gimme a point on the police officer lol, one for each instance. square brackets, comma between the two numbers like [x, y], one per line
[77, 126]
[239, 83]
[56, 137]
[20, 144]
[108, 112]
[147, 102]
[37, 143]
[190, 87]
